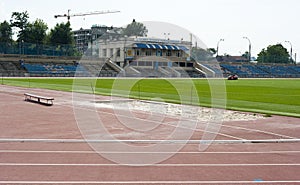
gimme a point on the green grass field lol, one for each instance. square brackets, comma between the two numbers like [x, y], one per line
[269, 96]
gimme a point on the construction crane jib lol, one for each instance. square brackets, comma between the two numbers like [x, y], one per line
[85, 14]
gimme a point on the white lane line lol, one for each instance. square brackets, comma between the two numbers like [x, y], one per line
[125, 152]
[151, 182]
[149, 165]
[3, 140]
[259, 131]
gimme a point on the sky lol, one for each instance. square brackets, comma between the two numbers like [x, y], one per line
[264, 22]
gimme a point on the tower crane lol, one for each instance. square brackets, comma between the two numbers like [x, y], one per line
[84, 14]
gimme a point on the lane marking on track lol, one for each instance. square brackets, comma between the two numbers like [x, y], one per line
[150, 182]
[114, 152]
[259, 131]
[149, 165]
[144, 141]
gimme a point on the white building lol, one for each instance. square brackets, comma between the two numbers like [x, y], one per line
[147, 52]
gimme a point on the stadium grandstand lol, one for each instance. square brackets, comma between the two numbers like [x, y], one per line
[56, 67]
[133, 57]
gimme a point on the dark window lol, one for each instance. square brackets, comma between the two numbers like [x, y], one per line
[189, 64]
[169, 53]
[137, 52]
[178, 54]
[158, 53]
[181, 64]
[148, 53]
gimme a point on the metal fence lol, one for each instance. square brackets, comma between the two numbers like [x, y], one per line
[23, 48]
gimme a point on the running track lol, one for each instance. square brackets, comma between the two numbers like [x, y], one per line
[43, 145]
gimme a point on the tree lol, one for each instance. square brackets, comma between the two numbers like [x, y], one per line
[20, 20]
[61, 34]
[35, 32]
[5, 36]
[62, 37]
[5, 32]
[34, 36]
[246, 55]
[135, 29]
[274, 54]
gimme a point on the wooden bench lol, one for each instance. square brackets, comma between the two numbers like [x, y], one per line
[39, 99]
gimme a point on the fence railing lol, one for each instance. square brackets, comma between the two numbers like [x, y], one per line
[24, 48]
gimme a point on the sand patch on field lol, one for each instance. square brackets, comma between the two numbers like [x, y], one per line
[178, 110]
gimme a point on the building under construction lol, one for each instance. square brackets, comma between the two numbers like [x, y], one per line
[85, 38]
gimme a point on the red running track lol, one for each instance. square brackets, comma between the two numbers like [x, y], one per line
[47, 162]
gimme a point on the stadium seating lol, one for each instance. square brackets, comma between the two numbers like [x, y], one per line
[68, 68]
[99, 70]
[11, 69]
[262, 70]
[55, 69]
[215, 67]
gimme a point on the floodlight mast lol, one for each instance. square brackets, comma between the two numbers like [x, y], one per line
[85, 14]
[249, 54]
[291, 52]
[218, 46]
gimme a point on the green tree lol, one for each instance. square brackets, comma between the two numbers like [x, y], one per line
[36, 32]
[274, 54]
[5, 37]
[20, 20]
[5, 32]
[246, 55]
[35, 36]
[62, 37]
[135, 29]
[61, 34]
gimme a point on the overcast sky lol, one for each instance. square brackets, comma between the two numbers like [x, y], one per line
[264, 22]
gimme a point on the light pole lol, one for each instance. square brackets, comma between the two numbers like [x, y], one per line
[218, 46]
[249, 54]
[22, 47]
[125, 51]
[291, 52]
